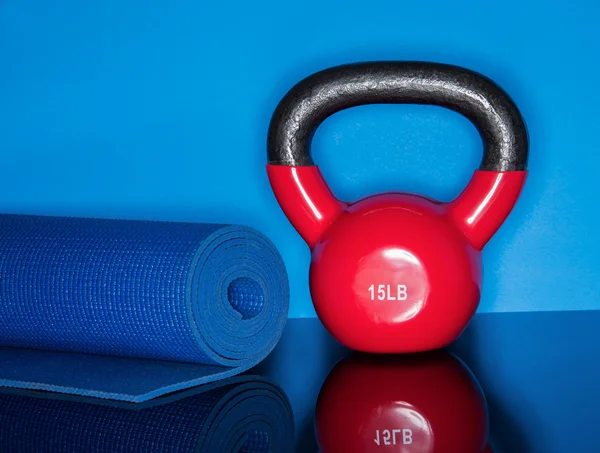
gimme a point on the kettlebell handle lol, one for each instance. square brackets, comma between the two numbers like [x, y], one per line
[485, 104]
[478, 211]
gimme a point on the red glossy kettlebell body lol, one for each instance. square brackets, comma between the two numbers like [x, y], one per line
[413, 404]
[396, 272]
[362, 258]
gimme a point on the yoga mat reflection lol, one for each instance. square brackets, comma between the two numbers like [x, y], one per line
[244, 414]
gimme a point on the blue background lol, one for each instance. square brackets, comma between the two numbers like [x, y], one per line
[159, 110]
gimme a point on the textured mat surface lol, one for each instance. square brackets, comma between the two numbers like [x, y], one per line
[202, 294]
[244, 414]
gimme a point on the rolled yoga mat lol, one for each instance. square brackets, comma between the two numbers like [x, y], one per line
[210, 295]
[248, 416]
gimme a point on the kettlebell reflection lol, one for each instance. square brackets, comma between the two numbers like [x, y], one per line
[247, 415]
[426, 403]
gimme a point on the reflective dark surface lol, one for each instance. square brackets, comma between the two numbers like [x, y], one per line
[539, 372]
[524, 383]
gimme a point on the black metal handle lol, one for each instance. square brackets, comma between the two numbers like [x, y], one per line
[311, 101]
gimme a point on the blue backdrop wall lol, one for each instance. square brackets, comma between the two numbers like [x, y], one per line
[159, 110]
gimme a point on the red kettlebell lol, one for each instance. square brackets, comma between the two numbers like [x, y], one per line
[396, 272]
[427, 403]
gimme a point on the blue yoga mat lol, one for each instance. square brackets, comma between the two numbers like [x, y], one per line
[215, 296]
[244, 414]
